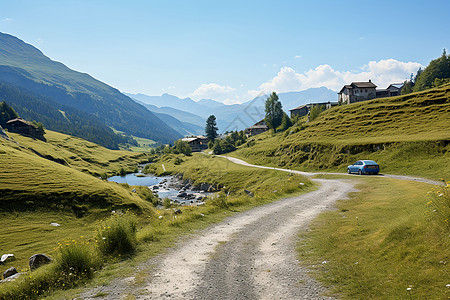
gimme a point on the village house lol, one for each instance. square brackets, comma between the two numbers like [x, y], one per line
[197, 143]
[257, 128]
[357, 91]
[303, 110]
[21, 126]
[362, 91]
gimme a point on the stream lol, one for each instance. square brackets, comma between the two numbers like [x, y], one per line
[177, 190]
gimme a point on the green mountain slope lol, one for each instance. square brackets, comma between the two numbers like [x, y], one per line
[59, 173]
[61, 118]
[407, 135]
[25, 66]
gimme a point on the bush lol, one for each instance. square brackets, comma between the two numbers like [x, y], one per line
[219, 200]
[117, 235]
[76, 260]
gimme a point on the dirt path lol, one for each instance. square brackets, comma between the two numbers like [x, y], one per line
[248, 256]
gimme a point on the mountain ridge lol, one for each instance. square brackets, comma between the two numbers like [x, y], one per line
[26, 66]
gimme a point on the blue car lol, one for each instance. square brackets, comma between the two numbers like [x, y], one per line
[364, 167]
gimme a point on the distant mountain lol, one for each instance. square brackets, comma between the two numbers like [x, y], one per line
[231, 117]
[26, 67]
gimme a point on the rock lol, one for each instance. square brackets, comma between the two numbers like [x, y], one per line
[155, 187]
[55, 224]
[199, 198]
[301, 183]
[7, 258]
[133, 190]
[249, 193]
[10, 272]
[37, 260]
[181, 195]
[178, 211]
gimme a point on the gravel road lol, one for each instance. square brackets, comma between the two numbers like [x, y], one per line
[250, 255]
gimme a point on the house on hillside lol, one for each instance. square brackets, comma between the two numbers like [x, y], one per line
[362, 91]
[257, 128]
[303, 110]
[357, 91]
[197, 143]
[23, 127]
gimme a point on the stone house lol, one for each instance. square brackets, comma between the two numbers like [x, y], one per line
[197, 143]
[357, 91]
[257, 128]
[303, 110]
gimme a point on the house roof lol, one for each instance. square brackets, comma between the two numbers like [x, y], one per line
[300, 107]
[396, 85]
[347, 86]
[368, 84]
[19, 120]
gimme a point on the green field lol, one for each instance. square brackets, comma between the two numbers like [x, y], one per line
[406, 135]
[384, 239]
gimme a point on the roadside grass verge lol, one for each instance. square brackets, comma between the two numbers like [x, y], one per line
[155, 230]
[406, 135]
[384, 239]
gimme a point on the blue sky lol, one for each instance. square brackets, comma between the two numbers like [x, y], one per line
[232, 50]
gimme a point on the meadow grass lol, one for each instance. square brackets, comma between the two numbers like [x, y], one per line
[378, 243]
[407, 135]
[156, 230]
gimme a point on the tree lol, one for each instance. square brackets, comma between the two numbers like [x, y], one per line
[6, 113]
[183, 147]
[438, 68]
[274, 112]
[285, 122]
[315, 111]
[407, 87]
[211, 129]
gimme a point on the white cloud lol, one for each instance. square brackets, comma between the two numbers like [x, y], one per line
[382, 73]
[297, 56]
[7, 20]
[212, 91]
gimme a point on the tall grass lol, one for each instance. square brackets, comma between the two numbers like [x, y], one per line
[117, 236]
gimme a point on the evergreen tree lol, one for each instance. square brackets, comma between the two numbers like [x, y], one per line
[211, 129]
[6, 113]
[407, 87]
[285, 122]
[438, 68]
[274, 111]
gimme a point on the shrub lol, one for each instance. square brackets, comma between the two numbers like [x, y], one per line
[76, 260]
[219, 200]
[117, 235]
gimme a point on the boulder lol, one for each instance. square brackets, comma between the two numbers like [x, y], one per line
[199, 198]
[10, 272]
[155, 187]
[249, 193]
[181, 195]
[133, 190]
[178, 211]
[7, 258]
[37, 260]
[55, 224]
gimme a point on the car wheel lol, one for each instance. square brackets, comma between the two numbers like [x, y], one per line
[359, 172]
[348, 171]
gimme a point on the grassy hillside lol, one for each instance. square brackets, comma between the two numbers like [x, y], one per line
[381, 241]
[407, 135]
[60, 172]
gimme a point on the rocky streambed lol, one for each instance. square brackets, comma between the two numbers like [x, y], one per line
[178, 190]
